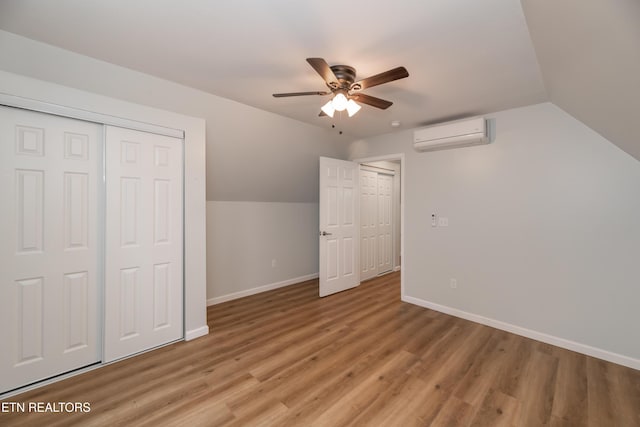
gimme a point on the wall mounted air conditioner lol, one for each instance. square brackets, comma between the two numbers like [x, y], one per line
[461, 133]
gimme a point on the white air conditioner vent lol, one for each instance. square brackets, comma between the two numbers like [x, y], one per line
[462, 133]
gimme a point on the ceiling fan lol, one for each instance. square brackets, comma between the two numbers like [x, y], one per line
[340, 79]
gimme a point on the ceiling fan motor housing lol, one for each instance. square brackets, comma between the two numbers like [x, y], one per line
[346, 76]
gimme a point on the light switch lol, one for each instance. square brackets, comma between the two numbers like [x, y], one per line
[443, 221]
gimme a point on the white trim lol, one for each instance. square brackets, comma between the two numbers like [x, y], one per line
[539, 336]
[51, 380]
[196, 333]
[396, 156]
[89, 116]
[397, 268]
[260, 289]
[376, 169]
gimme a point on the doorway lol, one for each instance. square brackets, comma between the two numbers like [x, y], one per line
[339, 222]
[378, 218]
[390, 165]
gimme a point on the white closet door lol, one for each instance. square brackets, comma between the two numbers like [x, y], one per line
[49, 250]
[144, 244]
[368, 224]
[385, 223]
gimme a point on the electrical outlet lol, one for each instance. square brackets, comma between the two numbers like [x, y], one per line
[443, 221]
[274, 263]
[453, 283]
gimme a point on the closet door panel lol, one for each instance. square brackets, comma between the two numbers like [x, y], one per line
[368, 224]
[385, 223]
[50, 250]
[144, 250]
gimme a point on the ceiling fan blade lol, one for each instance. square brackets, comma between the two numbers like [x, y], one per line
[372, 100]
[322, 68]
[282, 95]
[378, 79]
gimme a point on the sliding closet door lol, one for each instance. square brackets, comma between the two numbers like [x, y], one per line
[50, 248]
[144, 245]
[385, 223]
[376, 223]
[368, 224]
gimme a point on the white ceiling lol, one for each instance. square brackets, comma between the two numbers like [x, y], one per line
[464, 57]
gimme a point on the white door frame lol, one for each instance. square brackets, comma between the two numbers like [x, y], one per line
[401, 158]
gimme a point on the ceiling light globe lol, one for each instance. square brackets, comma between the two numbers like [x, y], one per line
[340, 102]
[328, 109]
[352, 107]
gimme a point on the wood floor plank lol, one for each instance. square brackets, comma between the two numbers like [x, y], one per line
[600, 406]
[416, 405]
[352, 406]
[358, 358]
[511, 375]
[497, 410]
[570, 395]
[626, 386]
[536, 394]
[308, 374]
[308, 404]
[473, 387]
[454, 413]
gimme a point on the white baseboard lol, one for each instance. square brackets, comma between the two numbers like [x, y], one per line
[196, 333]
[397, 268]
[539, 336]
[260, 289]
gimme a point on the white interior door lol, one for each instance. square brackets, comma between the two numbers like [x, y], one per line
[368, 224]
[385, 223]
[144, 248]
[50, 248]
[339, 226]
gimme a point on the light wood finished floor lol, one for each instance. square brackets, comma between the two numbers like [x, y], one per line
[362, 357]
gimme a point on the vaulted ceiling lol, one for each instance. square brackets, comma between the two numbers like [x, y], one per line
[464, 57]
[589, 55]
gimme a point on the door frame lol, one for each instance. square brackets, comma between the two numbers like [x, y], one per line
[401, 158]
[377, 170]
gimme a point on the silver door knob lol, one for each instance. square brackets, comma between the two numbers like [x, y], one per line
[324, 233]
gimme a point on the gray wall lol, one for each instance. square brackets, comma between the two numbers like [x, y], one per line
[543, 228]
[255, 235]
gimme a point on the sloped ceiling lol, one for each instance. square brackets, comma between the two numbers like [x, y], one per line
[464, 57]
[589, 55]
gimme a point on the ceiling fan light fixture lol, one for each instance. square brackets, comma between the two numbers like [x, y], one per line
[352, 107]
[339, 102]
[328, 108]
[340, 79]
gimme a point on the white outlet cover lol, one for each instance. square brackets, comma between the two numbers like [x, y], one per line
[443, 221]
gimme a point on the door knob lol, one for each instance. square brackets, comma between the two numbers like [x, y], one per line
[324, 233]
